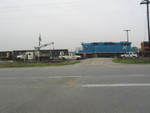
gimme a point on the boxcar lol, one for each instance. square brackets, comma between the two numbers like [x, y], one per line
[50, 54]
[6, 55]
[105, 49]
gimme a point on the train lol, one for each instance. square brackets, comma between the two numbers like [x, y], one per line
[93, 49]
[103, 49]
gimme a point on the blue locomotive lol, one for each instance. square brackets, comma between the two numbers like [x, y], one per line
[105, 49]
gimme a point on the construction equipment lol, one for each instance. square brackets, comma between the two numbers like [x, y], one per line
[40, 56]
[44, 45]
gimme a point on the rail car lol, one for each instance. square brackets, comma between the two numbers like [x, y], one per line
[6, 55]
[103, 49]
[145, 49]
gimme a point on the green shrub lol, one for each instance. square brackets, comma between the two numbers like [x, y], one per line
[131, 61]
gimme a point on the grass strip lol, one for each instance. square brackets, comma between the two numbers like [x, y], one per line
[31, 64]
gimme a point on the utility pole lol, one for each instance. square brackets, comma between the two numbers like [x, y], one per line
[147, 4]
[38, 51]
[127, 34]
[40, 39]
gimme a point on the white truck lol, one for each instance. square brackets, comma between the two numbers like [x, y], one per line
[71, 56]
[129, 55]
[26, 56]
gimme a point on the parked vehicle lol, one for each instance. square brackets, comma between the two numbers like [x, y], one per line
[106, 49]
[26, 56]
[129, 55]
[71, 56]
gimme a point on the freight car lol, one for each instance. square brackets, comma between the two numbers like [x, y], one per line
[104, 49]
[145, 49]
[6, 55]
[50, 54]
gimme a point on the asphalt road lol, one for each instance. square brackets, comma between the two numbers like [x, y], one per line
[76, 89]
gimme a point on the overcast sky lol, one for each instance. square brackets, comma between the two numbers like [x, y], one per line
[69, 22]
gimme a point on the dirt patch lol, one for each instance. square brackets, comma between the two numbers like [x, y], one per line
[97, 61]
[69, 81]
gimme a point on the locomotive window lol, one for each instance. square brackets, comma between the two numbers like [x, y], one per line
[109, 43]
[125, 44]
[95, 44]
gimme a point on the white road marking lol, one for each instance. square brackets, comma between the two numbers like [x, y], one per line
[113, 85]
[63, 77]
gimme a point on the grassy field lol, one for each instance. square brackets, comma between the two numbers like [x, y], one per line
[34, 64]
[132, 61]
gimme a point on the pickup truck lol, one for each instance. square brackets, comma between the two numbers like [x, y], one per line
[71, 56]
[129, 55]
